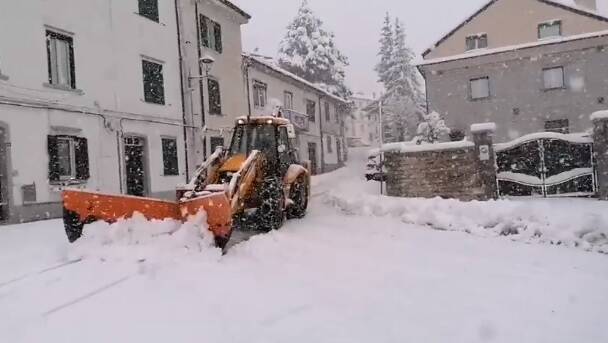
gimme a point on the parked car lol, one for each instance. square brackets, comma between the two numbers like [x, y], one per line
[375, 170]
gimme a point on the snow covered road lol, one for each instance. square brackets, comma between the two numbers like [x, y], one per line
[349, 272]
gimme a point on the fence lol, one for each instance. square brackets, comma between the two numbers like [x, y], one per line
[543, 164]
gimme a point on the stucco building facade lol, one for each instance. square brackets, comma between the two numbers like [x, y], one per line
[527, 65]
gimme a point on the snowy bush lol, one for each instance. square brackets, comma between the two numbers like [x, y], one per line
[431, 129]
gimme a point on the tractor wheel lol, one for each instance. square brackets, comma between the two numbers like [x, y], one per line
[299, 197]
[271, 213]
[73, 225]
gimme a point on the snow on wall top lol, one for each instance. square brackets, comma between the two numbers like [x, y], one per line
[271, 64]
[483, 127]
[484, 52]
[408, 147]
[599, 115]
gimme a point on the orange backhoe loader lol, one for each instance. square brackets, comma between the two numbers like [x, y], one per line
[253, 185]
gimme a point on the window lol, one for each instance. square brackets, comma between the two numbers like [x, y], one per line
[211, 34]
[330, 147]
[149, 9]
[480, 88]
[553, 78]
[170, 164]
[259, 94]
[68, 158]
[337, 114]
[60, 52]
[311, 110]
[216, 142]
[327, 112]
[559, 126]
[154, 89]
[550, 29]
[215, 99]
[479, 41]
[288, 100]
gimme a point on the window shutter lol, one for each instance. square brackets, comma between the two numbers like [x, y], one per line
[54, 174]
[217, 33]
[204, 31]
[81, 152]
[72, 64]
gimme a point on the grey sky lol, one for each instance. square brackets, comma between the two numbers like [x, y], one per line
[356, 24]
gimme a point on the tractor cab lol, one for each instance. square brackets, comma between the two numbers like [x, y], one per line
[273, 137]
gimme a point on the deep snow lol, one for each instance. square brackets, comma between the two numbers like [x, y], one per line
[355, 270]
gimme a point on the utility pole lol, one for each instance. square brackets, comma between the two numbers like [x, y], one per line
[381, 144]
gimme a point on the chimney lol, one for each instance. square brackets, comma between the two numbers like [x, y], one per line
[587, 4]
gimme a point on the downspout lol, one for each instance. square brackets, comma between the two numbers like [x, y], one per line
[321, 132]
[181, 78]
[247, 65]
[426, 88]
[118, 142]
[200, 72]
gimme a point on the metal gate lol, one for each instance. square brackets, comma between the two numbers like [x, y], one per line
[546, 164]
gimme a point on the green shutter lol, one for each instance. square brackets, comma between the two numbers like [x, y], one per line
[54, 173]
[81, 151]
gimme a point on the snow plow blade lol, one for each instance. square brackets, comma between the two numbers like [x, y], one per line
[81, 208]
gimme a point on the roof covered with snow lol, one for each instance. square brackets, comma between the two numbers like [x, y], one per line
[271, 64]
[235, 8]
[485, 52]
[601, 13]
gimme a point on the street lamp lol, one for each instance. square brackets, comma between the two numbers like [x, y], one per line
[206, 62]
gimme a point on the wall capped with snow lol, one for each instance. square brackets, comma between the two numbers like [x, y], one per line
[454, 171]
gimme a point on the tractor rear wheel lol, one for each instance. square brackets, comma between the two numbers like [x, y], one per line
[271, 212]
[299, 198]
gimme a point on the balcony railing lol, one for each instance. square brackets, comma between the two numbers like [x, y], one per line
[299, 120]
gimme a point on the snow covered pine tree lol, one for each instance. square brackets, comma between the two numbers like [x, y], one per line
[310, 52]
[403, 97]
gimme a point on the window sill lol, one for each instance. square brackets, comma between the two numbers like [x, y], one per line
[547, 90]
[64, 88]
[217, 114]
[206, 48]
[149, 19]
[68, 183]
[153, 103]
[479, 99]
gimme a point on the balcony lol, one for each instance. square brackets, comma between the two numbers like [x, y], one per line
[300, 121]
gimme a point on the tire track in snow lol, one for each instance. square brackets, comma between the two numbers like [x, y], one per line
[86, 296]
[40, 272]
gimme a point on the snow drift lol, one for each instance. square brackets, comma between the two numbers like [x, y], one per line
[137, 240]
[580, 223]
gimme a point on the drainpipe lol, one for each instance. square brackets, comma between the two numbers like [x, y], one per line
[181, 78]
[321, 132]
[247, 65]
[200, 72]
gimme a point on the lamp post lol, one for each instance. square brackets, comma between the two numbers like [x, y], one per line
[206, 62]
[381, 141]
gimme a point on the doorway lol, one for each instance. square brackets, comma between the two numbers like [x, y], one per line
[312, 156]
[339, 151]
[135, 166]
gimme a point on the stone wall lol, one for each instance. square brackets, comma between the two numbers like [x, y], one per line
[461, 170]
